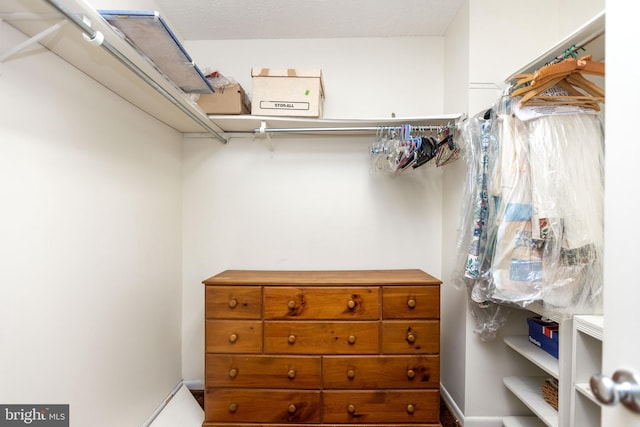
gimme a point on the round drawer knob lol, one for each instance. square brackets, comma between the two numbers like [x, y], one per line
[291, 304]
[233, 372]
[351, 304]
[233, 338]
[411, 374]
[411, 303]
[411, 408]
[233, 303]
[351, 408]
[233, 407]
[411, 338]
[351, 374]
[291, 373]
[291, 339]
[351, 339]
[292, 409]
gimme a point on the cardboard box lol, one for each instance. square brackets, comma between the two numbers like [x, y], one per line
[287, 92]
[227, 100]
[544, 335]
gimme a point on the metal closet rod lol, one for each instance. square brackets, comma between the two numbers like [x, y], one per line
[93, 35]
[576, 47]
[264, 129]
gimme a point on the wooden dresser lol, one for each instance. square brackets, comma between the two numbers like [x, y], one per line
[322, 348]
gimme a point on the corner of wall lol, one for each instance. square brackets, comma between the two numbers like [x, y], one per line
[453, 343]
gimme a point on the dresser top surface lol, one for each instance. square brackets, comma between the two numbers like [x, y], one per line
[322, 277]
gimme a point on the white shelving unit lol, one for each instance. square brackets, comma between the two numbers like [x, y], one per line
[529, 388]
[123, 69]
[111, 63]
[537, 356]
[580, 356]
[587, 360]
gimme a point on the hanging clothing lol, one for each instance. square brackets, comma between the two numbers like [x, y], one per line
[481, 204]
[475, 245]
[517, 260]
[536, 202]
[567, 161]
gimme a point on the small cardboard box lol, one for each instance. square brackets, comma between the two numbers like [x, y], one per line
[544, 335]
[287, 92]
[226, 100]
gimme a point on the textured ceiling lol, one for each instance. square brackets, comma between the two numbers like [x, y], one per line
[279, 19]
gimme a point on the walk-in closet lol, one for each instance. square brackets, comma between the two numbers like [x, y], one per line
[381, 252]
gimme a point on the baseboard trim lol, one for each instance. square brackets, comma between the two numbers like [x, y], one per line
[451, 404]
[467, 421]
[483, 422]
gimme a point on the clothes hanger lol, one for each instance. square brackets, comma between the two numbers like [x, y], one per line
[584, 65]
[594, 94]
[567, 75]
[578, 80]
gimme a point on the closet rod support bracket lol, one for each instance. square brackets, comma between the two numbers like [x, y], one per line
[96, 39]
[30, 41]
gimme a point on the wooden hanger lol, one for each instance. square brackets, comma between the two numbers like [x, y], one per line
[567, 75]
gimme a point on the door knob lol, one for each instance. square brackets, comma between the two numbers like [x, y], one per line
[621, 388]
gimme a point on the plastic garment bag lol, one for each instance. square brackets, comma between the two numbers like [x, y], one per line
[475, 232]
[550, 224]
[532, 220]
[567, 187]
[516, 267]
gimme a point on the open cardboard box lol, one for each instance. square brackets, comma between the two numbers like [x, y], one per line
[230, 99]
[287, 92]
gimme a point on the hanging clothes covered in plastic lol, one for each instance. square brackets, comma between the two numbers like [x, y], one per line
[549, 238]
[532, 224]
[476, 226]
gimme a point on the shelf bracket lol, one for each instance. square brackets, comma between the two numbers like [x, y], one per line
[30, 41]
[264, 132]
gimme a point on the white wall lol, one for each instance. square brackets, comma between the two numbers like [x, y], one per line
[90, 253]
[574, 13]
[311, 202]
[453, 313]
[476, 64]
[364, 77]
[501, 39]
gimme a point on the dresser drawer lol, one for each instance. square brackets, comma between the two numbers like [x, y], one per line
[409, 337]
[381, 406]
[262, 406]
[381, 372]
[299, 337]
[233, 302]
[329, 303]
[233, 336]
[230, 370]
[411, 302]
